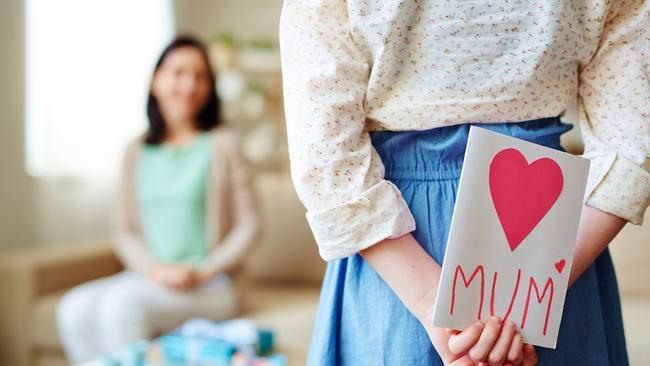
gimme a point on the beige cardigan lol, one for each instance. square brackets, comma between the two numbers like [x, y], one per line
[231, 213]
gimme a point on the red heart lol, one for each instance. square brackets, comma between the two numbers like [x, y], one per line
[522, 194]
[560, 265]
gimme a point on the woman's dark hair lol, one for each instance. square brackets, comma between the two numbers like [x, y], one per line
[207, 118]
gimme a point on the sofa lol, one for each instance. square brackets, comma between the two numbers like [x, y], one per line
[280, 282]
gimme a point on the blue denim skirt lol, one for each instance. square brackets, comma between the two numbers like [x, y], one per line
[360, 321]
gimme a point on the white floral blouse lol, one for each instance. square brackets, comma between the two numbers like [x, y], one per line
[357, 66]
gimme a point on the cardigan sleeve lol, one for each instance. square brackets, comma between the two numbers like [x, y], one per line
[246, 227]
[337, 173]
[614, 113]
[128, 239]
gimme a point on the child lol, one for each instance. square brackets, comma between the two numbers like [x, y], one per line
[379, 98]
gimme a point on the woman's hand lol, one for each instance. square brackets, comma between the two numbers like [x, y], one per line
[202, 276]
[175, 276]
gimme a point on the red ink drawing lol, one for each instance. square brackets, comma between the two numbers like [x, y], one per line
[478, 269]
[522, 193]
[549, 284]
[512, 299]
[559, 265]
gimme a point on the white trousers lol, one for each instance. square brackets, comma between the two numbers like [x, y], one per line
[104, 314]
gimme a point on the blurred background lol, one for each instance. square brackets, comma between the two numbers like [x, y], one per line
[74, 77]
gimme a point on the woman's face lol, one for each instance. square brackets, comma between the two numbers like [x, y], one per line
[181, 85]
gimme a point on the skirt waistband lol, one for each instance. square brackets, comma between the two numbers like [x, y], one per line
[438, 153]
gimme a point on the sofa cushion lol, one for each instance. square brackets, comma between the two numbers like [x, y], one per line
[287, 250]
[44, 334]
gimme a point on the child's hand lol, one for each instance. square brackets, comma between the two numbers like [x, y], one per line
[491, 343]
[440, 340]
[494, 343]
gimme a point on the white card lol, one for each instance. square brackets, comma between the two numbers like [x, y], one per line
[512, 235]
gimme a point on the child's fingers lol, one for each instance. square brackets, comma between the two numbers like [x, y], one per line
[451, 331]
[481, 349]
[516, 354]
[462, 341]
[530, 356]
[463, 361]
[502, 346]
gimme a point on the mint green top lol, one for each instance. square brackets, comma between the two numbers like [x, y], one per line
[171, 194]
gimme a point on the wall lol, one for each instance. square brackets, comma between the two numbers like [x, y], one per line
[16, 188]
[246, 19]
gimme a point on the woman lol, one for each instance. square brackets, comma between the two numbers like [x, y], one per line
[185, 218]
[379, 99]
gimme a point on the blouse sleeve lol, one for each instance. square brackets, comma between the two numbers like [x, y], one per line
[337, 174]
[614, 114]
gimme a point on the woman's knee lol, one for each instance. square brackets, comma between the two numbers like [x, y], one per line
[75, 313]
[125, 314]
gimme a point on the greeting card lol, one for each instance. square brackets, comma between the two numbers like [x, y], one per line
[512, 234]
